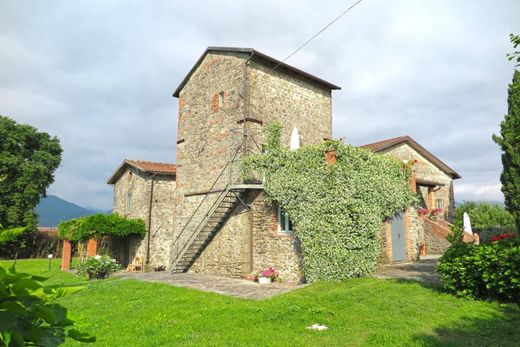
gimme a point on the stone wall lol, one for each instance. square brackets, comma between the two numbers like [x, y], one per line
[249, 241]
[425, 170]
[223, 98]
[229, 253]
[293, 101]
[139, 185]
[207, 137]
[270, 248]
[434, 242]
[385, 243]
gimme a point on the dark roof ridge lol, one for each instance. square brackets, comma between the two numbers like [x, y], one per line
[253, 53]
[385, 144]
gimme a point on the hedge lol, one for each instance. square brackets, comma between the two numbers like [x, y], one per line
[98, 225]
[485, 271]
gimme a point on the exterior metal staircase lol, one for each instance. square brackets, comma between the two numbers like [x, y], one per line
[207, 228]
[204, 223]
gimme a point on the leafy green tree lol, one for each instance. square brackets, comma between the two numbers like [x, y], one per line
[484, 215]
[28, 159]
[515, 56]
[509, 142]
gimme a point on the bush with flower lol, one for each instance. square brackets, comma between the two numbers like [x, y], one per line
[97, 267]
[422, 211]
[436, 211]
[506, 235]
[486, 271]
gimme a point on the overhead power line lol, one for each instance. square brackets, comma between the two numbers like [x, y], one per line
[319, 32]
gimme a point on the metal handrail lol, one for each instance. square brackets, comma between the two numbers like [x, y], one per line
[226, 190]
[204, 220]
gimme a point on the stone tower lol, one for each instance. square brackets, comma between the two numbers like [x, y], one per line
[225, 102]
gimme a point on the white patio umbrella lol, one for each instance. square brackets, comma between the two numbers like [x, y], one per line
[295, 140]
[467, 224]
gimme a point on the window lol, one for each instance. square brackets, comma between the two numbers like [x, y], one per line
[439, 204]
[221, 99]
[284, 223]
[128, 202]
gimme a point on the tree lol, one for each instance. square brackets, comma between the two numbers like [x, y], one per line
[484, 215]
[28, 159]
[509, 142]
[515, 39]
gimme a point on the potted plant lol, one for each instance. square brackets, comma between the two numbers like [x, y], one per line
[266, 276]
[422, 211]
[436, 211]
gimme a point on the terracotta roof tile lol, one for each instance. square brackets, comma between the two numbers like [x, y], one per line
[149, 166]
[145, 166]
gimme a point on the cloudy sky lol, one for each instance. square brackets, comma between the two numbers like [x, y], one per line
[100, 74]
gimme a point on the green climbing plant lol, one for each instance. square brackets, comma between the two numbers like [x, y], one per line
[336, 209]
[100, 225]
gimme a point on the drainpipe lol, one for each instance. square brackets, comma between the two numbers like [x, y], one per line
[149, 222]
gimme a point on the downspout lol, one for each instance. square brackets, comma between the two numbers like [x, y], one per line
[247, 101]
[149, 222]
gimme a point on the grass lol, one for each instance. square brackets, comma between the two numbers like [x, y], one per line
[358, 312]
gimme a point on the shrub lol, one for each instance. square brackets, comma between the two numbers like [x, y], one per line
[483, 271]
[97, 267]
[484, 215]
[28, 317]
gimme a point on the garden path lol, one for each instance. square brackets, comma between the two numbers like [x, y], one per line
[221, 285]
[423, 270]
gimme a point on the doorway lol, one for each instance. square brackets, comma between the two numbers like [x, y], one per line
[398, 237]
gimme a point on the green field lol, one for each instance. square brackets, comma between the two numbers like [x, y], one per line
[358, 312]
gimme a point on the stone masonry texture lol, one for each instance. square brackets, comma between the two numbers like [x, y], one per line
[211, 134]
[418, 233]
[138, 184]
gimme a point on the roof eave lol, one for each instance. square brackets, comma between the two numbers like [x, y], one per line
[430, 156]
[118, 173]
[252, 51]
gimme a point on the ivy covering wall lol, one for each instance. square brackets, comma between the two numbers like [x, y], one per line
[336, 209]
[100, 225]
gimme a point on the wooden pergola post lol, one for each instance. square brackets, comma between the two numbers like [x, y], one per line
[66, 255]
[91, 247]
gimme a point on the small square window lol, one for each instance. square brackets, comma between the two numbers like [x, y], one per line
[439, 204]
[284, 223]
[221, 99]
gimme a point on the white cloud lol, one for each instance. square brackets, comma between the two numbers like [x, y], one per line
[100, 74]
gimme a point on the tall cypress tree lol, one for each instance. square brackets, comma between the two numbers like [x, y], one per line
[509, 141]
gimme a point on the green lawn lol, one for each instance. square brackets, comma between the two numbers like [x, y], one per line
[359, 312]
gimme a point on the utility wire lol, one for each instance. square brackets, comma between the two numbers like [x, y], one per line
[319, 32]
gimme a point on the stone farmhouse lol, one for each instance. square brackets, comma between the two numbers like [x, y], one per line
[201, 217]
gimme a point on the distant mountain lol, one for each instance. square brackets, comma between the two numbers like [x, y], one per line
[51, 210]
